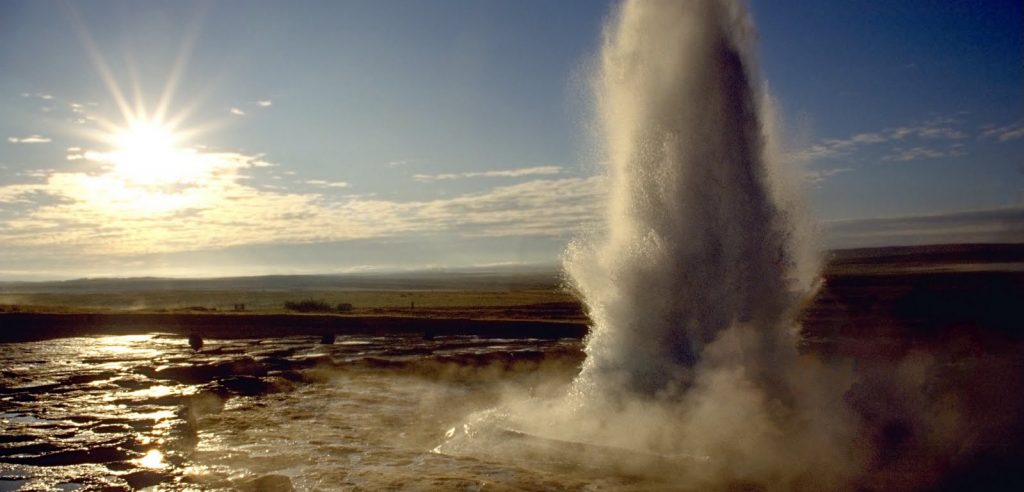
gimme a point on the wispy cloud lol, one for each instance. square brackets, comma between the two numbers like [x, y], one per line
[938, 132]
[900, 154]
[546, 207]
[327, 184]
[935, 129]
[506, 173]
[817, 176]
[75, 112]
[31, 139]
[102, 214]
[37, 95]
[973, 226]
[104, 209]
[1006, 133]
[20, 193]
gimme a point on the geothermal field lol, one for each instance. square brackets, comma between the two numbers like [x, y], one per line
[907, 374]
[697, 338]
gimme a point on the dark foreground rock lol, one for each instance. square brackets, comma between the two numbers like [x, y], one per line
[120, 450]
[144, 478]
[23, 327]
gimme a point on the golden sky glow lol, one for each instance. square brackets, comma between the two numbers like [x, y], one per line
[146, 153]
[147, 171]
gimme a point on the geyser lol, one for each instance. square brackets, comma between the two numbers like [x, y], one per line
[692, 376]
[694, 282]
[699, 245]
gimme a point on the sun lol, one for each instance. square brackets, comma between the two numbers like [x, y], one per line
[144, 164]
[148, 153]
[147, 168]
[147, 164]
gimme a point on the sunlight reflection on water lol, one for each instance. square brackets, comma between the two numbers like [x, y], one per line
[126, 344]
[153, 459]
[363, 412]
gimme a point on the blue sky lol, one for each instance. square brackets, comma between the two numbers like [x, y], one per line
[332, 136]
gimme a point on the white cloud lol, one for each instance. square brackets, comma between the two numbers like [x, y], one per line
[266, 103]
[29, 139]
[1006, 133]
[935, 129]
[37, 95]
[106, 215]
[327, 184]
[900, 154]
[549, 207]
[19, 193]
[74, 154]
[816, 176]
[506, 173]
[237, 112]
[972, 226]
[941, 132]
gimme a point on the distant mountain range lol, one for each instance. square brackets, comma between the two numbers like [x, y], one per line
[938, 253]
[503, 277]
[499, 277]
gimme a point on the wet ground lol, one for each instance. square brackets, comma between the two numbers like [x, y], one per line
[129, 412]
[936, 351]
[938, 412]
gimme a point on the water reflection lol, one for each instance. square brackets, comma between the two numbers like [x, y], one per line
[129, 412]
[152, 459]
[126, 344]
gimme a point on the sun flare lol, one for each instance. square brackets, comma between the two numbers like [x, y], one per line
[147, 153]
[147, 167]
[152, 459]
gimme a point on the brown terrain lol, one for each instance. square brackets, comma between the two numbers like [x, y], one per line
[932, 339]
[892, 299]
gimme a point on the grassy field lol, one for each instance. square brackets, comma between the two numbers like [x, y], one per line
[273, 301]
[926, 288]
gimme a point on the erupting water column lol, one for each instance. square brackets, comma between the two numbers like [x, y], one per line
[699, 249]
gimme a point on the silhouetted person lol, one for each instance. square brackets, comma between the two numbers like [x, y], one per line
[327, 339]
[195, 341]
